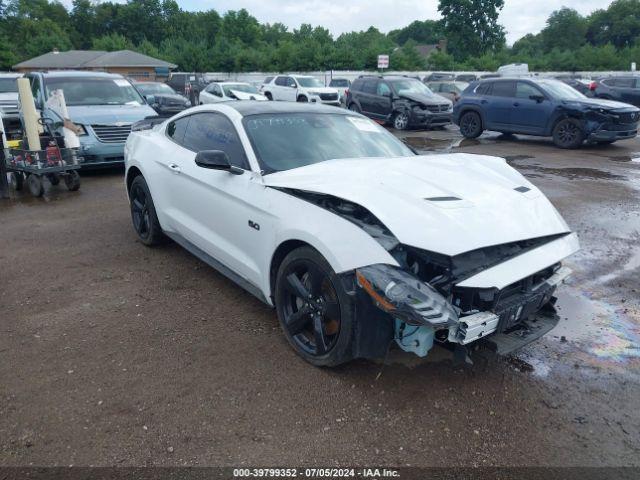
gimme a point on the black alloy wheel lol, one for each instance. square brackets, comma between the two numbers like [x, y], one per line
[470, 125]
[313, 308]
[143, 213]
[568, 133]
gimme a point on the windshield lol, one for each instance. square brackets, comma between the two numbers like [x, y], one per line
[291, 140]
[410, 86]
[309, 82]
[8, 85]
[239, 87]
[560, 90]
[339, 83]
[94, 91]
[155, 89]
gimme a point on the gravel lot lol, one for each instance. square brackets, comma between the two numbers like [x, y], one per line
[116, 354]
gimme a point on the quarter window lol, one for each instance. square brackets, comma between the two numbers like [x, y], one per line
[484, 89]
[213, 131]
[176, 129]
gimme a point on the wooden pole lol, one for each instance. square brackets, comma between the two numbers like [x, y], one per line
[4, 147]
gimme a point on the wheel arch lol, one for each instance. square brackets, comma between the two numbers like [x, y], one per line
[284, 249]
[132, 173]
[475, 109]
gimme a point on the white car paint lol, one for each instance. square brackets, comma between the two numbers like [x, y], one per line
[292, 88]
[216, 93]
[209, 209]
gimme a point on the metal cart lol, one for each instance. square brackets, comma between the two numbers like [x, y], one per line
[41, 168]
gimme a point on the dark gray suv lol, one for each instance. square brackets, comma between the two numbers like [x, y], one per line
[623, 89]
[402, 101]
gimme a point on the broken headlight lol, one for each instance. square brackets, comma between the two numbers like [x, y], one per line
[405, 297]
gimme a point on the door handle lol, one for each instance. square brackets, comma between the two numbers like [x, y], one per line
[516, 104]
[174, 168]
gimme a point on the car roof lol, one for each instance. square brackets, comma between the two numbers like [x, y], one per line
[251, 107]
[79, 73]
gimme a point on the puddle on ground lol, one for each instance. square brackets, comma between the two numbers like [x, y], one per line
[515, 158]
[609, 333]
[575, 173]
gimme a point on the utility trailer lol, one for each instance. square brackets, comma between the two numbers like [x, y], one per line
[40, 169]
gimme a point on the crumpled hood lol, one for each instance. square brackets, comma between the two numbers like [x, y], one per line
[109, 114]
[434, 99]
[602, 103]
[248, 96]
[490, 211]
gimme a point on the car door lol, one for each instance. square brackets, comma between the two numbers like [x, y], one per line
[279, 88]
[367, 97]
[221, 213]
[530, 115]
[290, 91]
[381, 102]
[499, 104]
[626, 87]
[211, 94]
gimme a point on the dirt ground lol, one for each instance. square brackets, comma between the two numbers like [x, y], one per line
[116, 354]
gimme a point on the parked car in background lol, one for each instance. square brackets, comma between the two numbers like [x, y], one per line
[9, 103]
[545, 107]
[229, 91]
[466, 77]
[342, 85]
[404, 102]
[188, 84]
[583, 86]
[353, 239]
[102, 105]
[439, 77]
[622, 88]
[450, 90]
[162, 98]
[300, 88]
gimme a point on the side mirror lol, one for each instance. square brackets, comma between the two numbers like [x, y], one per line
[387, 94]
[216, 160]
[293, 85]
[537, 98]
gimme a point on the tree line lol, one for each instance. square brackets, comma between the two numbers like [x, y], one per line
[607, 39]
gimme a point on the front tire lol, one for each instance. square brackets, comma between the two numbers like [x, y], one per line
[143, 213]
[269, 96]
[401, 121]
[568, 133]
[315, 312]
[302, 99]
[470, 125]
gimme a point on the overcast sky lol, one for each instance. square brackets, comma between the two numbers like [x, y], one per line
[519, 17]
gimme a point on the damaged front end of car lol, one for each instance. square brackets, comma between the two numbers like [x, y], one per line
[422, 301]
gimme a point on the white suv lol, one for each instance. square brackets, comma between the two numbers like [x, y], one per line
[300, 88]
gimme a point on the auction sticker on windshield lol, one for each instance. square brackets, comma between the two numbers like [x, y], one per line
[363, 124]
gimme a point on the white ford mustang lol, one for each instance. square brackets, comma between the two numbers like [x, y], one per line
[355, 239]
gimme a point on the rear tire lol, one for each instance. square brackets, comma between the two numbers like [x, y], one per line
[72, 181]
[315, 312]
[34, 182]
[268, 95]
[16, 180]
[470, 125]
[143, 213]
[568, 133]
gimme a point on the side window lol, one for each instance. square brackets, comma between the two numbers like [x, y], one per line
[525, 90]
[624, 82]
[291, 82]
[638, 82]
[356, 85]
[484, 88]
[504, 89]
[281, 81]
[36, 90]
[176, 129]
[216, 90]
[369, 86]
[383, 89]
[214, 131]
